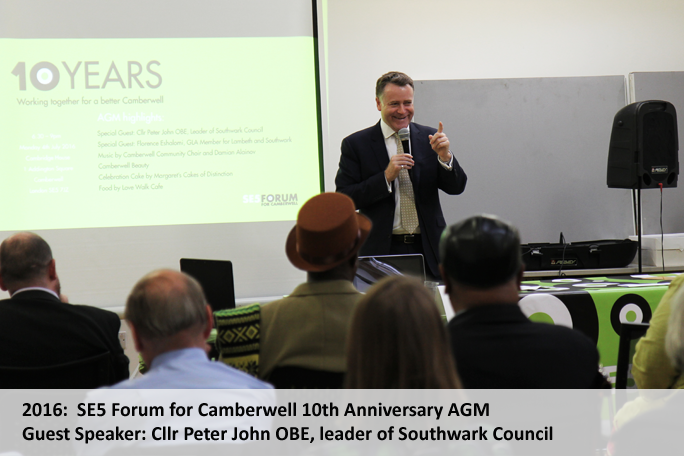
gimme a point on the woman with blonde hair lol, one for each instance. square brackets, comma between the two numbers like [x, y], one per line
[658, 430]
[398, 340]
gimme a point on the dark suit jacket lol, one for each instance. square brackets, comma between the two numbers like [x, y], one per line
[497, 346]
[361, 176]
[36, 329]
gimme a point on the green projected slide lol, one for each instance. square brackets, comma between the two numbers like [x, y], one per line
[134, 132]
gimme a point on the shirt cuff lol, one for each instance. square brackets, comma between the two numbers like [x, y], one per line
[389, 185]
[448, 166]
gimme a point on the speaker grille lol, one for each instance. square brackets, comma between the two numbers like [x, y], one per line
[659, 145]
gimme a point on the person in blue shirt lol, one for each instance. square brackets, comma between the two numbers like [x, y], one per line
[170, 321]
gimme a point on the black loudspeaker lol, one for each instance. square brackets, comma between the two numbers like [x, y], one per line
[644, 146]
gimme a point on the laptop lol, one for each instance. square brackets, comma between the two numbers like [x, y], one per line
[373, 268]
[216, 278]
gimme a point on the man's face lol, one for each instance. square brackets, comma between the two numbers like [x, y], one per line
[396, 106]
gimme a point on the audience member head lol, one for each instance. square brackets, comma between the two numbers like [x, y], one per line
[327, 237]
[26, 261]
[674, 338]
[167, 311]
[481, 262]
[398, 340]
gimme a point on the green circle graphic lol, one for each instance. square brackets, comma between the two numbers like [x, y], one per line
[631, 316]
[541, 317]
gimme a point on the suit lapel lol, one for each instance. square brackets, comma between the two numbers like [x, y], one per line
[416, 151]
[378, 147]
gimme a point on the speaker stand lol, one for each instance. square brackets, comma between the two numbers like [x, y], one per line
[636, 193]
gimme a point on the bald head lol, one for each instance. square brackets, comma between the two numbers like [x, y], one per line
[164, 303]
[25, 260]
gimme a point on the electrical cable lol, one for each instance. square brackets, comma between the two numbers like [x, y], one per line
[662, 235]
[565, 246]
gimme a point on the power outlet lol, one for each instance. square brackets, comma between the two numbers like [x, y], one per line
[122, 339]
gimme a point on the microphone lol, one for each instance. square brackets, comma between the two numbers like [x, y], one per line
[404, 137]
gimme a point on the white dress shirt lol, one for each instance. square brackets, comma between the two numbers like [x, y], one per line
[391, 145]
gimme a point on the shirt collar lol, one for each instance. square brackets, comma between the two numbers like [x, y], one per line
[387, 130]
[184, 354]
[47, 290]
[325, 287]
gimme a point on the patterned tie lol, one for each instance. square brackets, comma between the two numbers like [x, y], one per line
[407, 204]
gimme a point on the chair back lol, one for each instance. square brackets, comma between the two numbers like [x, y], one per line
[87, 373]
[630, 333]
[292, 377]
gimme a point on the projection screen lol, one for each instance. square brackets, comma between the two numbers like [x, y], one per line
[137, 133]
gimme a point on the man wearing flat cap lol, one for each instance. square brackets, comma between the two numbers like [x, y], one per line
[495, 345]
[308, 328]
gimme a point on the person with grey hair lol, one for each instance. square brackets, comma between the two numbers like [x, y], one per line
[170, 321]
[38, 328]
[495, 345]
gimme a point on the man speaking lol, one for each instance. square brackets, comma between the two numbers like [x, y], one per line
[392, 171]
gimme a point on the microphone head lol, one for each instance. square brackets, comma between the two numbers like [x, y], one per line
[403, 134]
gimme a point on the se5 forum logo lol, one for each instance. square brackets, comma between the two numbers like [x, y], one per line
[46, 75]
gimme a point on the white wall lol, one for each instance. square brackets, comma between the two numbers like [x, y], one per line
[457, 39]
[466, 39]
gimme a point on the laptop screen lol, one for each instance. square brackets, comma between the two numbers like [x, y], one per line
[373, 268]
[216, 278]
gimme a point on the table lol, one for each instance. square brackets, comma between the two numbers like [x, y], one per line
[595, 305]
